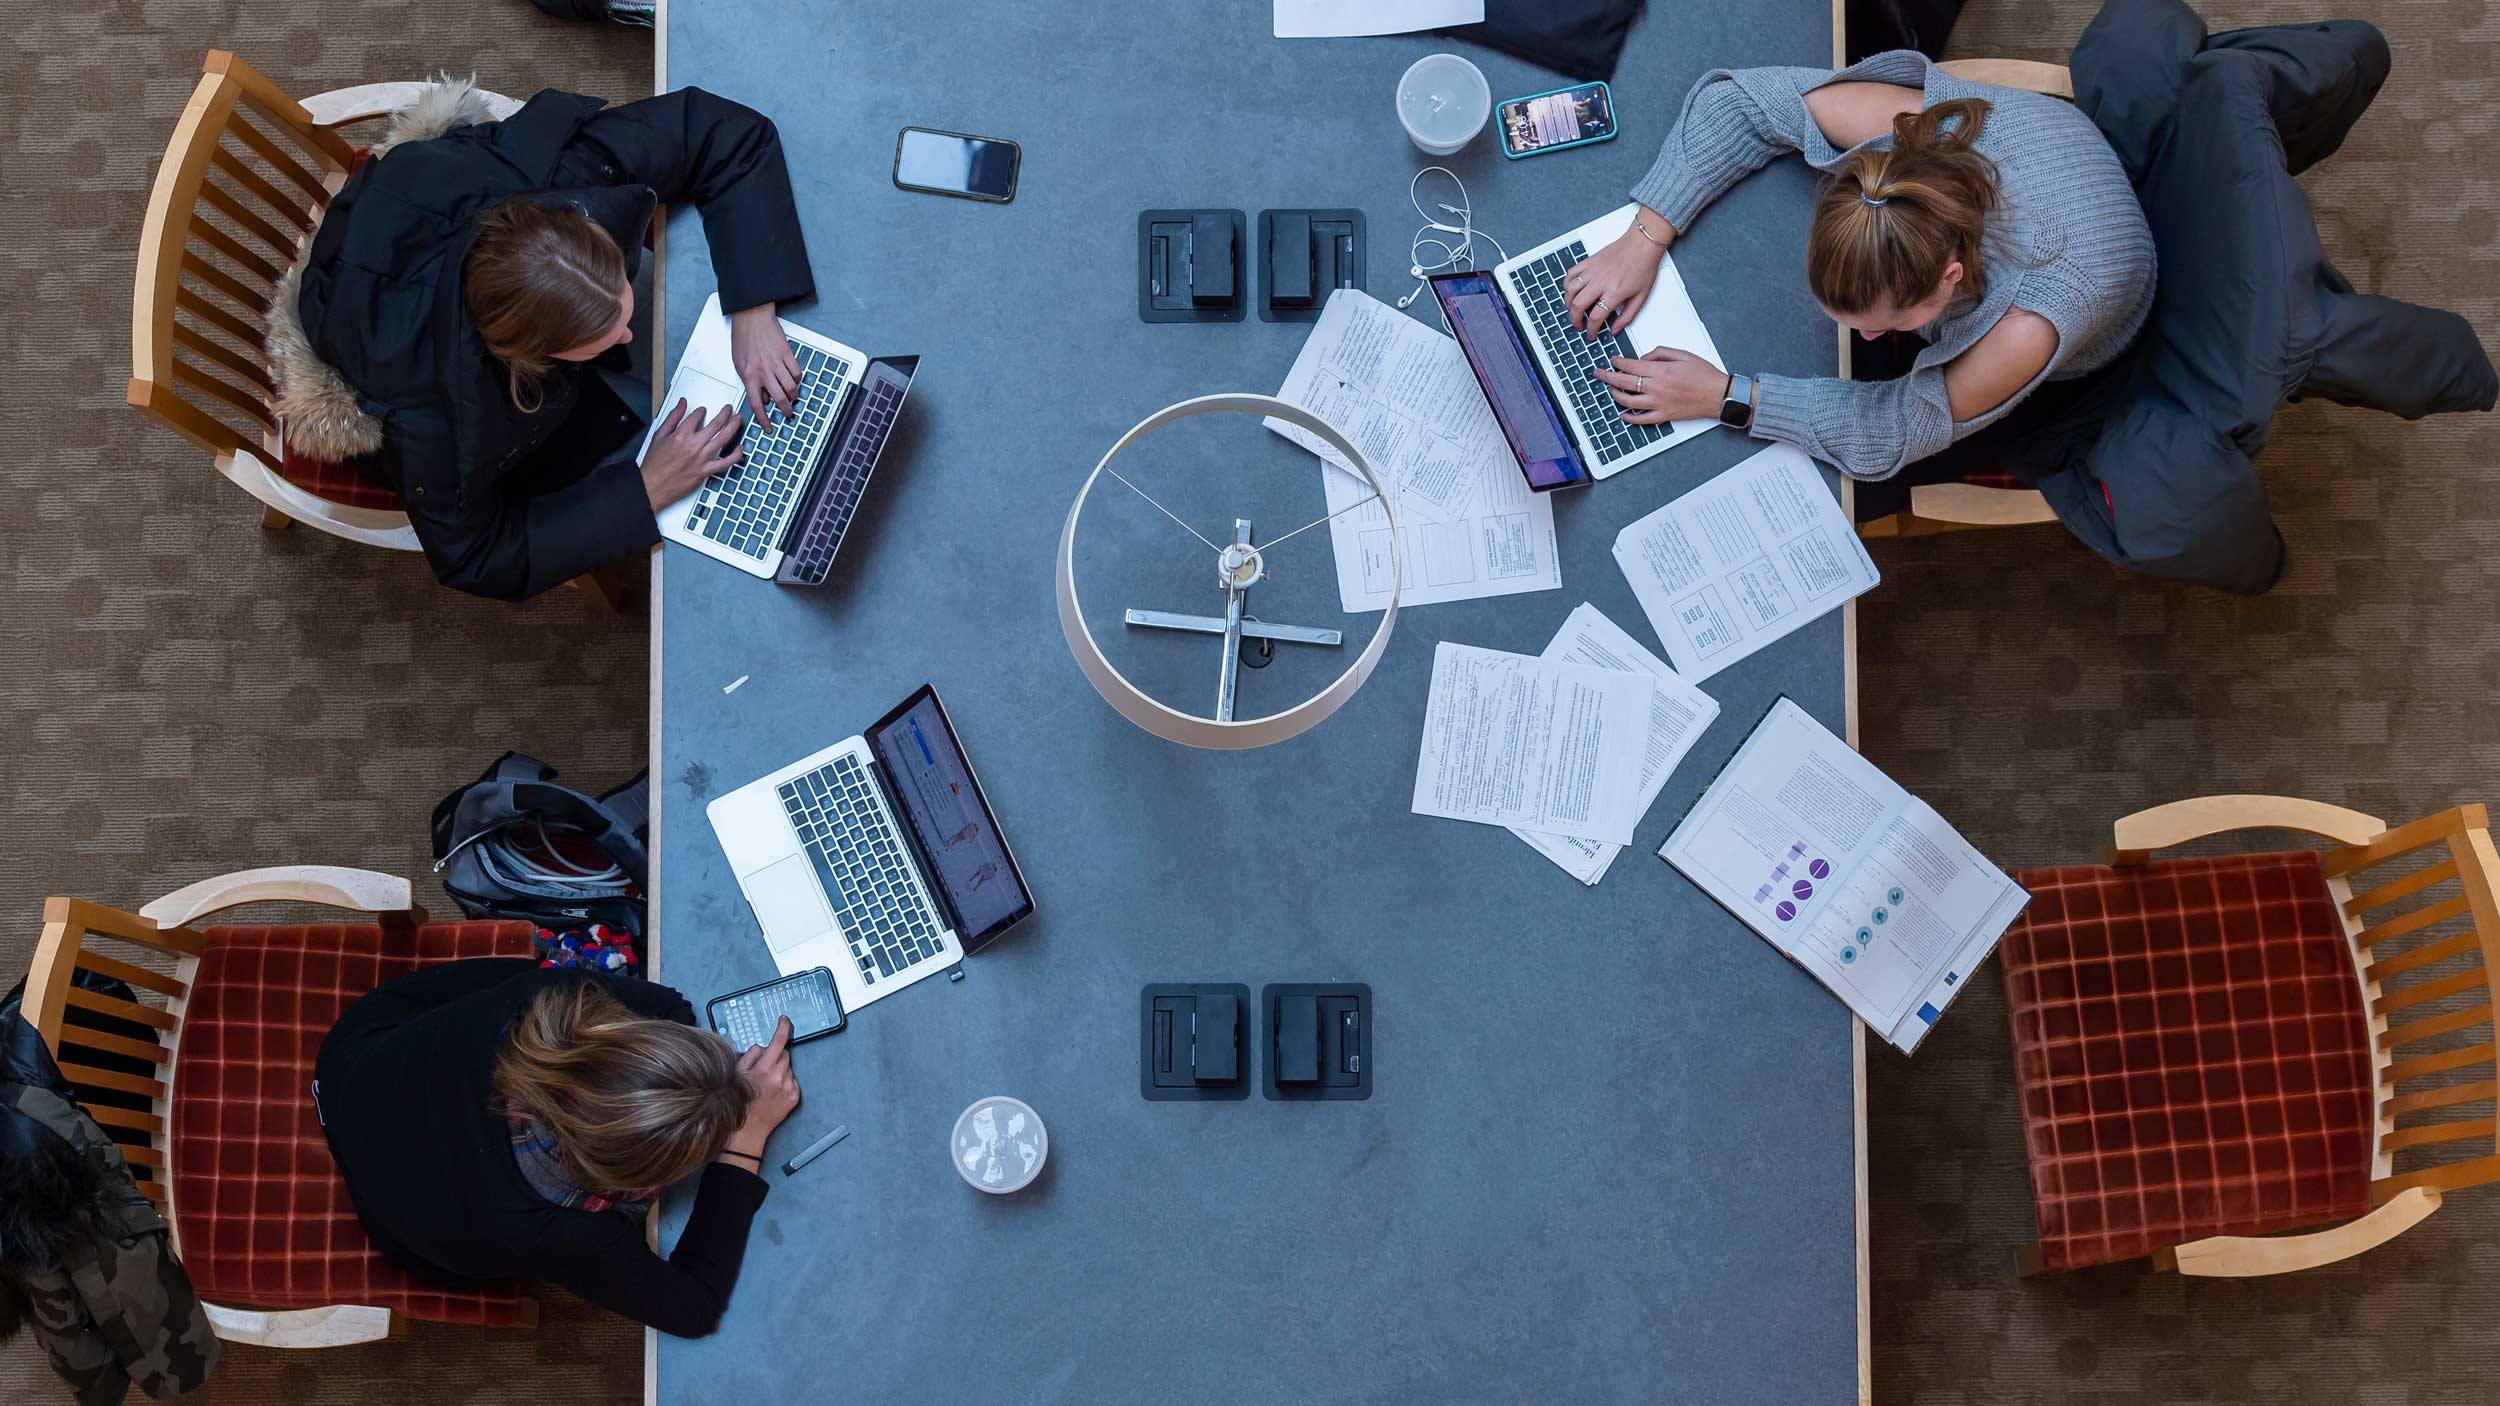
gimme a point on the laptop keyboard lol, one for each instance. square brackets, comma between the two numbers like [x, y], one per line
[747, 508]
[860, 861]
[845, 478]
[1599, 419]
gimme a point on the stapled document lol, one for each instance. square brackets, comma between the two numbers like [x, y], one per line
[1534, 744]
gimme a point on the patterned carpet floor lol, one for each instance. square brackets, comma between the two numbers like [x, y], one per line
[187, 695]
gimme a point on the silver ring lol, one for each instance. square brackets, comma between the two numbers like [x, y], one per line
[1640, 385]
[1605, 305]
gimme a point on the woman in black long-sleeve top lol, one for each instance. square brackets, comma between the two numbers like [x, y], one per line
[496, 1120]
[462, 284]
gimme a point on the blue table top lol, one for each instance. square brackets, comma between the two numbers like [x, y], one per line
[1609, 1150]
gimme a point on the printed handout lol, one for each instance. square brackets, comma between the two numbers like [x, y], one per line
[1857, 880]
[1743, 560]
[1533, 744]
[1469, 526]
[1319, 19]
[1678, 715]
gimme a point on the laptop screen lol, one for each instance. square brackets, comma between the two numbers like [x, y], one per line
[959, 838]
[1471, 303]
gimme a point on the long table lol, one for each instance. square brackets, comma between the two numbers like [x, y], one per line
[1613, 1150]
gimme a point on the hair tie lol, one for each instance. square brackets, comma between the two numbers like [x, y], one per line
[1872, 202]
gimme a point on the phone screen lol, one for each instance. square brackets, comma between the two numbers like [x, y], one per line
[1549, 120]
[983, 168]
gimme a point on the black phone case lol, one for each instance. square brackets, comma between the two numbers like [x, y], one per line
[833, 998]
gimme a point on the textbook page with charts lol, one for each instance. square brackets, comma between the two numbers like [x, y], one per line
[1533, 744]
[1852, 877]
[1678, 714]
[1402, 391]
[1742, 560]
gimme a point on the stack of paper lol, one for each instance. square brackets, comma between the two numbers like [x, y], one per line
[1678, 714]
[1402, 392]
[1534, 744]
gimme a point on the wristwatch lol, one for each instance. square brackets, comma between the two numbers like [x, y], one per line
[1736, 404]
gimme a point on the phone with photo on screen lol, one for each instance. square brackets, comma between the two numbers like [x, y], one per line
[956, 164]
[1565, 117]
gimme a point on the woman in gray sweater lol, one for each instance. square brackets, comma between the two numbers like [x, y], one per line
[1994, 223]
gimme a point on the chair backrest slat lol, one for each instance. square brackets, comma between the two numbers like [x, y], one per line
[196, 425]
[283, 162]
[95, 1078]
[2425, 944]
[233, 251]
[199, 344]
[241, 400]
[248, 220]
[85, 1038]
[257, 186]
[224, 321]
[130, 1118]
[102, 1004]
[244, 295]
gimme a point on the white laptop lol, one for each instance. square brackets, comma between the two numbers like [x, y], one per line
[743, 516]
[1531, 287]
[877, 858]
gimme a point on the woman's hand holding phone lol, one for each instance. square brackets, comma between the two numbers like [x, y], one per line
[1618, 277]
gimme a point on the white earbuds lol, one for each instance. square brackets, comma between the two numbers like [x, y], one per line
[1453, 254]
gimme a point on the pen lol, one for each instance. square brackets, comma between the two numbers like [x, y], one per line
[813, 1151]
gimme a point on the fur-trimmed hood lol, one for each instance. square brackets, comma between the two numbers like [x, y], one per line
[320, 411]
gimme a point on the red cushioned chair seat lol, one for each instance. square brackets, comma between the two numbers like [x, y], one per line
[345, 482]
[263, 1217]
[1991, 478]
[2191, 1051]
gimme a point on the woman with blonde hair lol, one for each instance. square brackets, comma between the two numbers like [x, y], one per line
[497, 1120]
[463, 287]
[1994, 225]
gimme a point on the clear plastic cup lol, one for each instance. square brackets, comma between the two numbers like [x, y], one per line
[1443, 101]
[999, 1145]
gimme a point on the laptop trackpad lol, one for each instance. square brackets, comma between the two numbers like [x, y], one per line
[788, 902]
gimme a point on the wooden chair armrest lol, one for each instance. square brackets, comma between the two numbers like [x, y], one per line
[336, 1326]
[2027, 74]
[1979, 505]
[360, 890]
[340, 106]
[2244, 1256]
[2134, 838]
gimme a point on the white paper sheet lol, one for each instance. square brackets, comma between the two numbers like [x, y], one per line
[1533, 744]
[1678, 715]
[1316, 19]
[1854, 878]
[1742, 560]
[1403, 392]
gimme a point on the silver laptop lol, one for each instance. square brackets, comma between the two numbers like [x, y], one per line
[877, 857]
[1532, 285]
[757, 514]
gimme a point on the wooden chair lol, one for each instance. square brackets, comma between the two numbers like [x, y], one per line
[2208, 1049]
[242, 187]
[230, 1147]
[1991, 499]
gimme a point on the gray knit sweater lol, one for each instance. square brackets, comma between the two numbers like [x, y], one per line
[2069, 243]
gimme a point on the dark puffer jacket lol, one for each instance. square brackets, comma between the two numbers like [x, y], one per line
[503, 504]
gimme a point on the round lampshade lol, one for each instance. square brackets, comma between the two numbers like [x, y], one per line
[1190, 729]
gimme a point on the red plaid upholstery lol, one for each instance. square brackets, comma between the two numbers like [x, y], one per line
[347, 483]
[262, 1213]
[2191, 1051]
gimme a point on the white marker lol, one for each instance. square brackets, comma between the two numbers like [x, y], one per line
[813, 1151]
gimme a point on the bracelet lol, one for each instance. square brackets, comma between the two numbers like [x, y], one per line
[752, 1157]
[1645, 234]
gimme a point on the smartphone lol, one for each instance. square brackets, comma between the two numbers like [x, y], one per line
[1543, 122]
[951, 163]
[746, 1018]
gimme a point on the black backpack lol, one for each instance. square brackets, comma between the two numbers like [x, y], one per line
[517, 808]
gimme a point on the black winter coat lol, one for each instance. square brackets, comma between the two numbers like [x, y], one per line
[503, 504]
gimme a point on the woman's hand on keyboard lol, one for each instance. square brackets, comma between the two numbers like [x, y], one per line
[687, 450]
[1618, 277]
[766, 365]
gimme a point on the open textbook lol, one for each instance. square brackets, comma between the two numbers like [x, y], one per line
[1742, 560]
[1678, 712]
[1403, 392]
[1852, 877]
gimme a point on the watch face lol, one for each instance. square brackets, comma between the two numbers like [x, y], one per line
[1736, 412]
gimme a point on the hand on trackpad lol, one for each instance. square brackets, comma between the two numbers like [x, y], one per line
[787, 902]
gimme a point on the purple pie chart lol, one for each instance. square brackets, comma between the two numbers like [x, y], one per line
[1802, 889]
[1786, 910]
[1819, 869]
